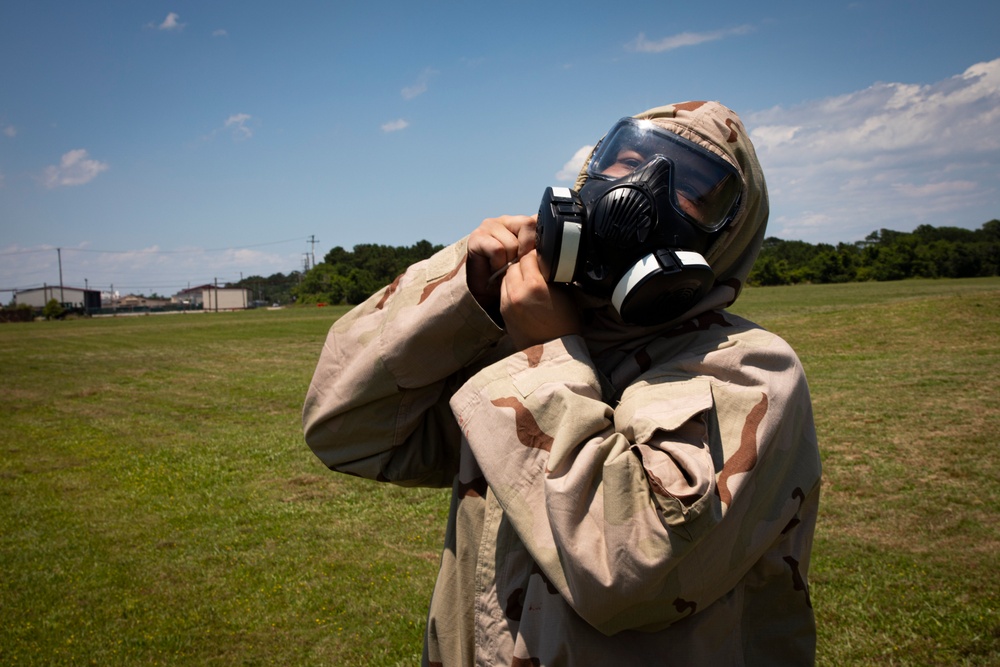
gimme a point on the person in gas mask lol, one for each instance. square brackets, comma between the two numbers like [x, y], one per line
[634, 470]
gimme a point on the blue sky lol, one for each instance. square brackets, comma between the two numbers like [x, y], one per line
[167, 144]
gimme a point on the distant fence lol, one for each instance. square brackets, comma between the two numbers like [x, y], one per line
[25, 313]
[139, 310]
[17, 314]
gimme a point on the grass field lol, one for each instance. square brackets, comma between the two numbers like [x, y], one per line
[158, 505]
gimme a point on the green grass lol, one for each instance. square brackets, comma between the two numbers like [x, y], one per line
[905, 378]
[158, 505]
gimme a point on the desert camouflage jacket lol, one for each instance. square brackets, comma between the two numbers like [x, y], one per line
[650, 502]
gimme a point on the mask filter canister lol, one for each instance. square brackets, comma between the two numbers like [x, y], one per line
[664, 282]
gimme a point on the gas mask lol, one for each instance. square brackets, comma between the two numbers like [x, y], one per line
[653, 203]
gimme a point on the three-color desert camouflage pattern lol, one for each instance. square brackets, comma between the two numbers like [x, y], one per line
[641, 496]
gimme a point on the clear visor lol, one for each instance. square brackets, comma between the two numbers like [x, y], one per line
[706, 187]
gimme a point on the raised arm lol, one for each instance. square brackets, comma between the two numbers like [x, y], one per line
[377, 406]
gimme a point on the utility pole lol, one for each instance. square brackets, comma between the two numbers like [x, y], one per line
[62, 298]
[312, 248]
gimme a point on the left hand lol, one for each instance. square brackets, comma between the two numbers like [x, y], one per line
[533, 310]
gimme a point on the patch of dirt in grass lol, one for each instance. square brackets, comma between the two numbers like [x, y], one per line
[307, 487]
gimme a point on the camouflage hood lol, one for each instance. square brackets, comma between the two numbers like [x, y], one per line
[718, 129]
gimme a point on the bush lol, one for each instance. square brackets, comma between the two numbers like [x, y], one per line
[53, 310]
[22, 312]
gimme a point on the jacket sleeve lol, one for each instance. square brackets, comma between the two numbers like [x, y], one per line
[640, 515]
[377, 406]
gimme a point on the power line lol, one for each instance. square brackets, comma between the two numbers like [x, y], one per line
[165, 281]
[154, 252]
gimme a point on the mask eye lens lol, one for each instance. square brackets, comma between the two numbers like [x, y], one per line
[706, 187]
[691, 206]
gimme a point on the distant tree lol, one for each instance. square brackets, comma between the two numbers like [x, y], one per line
[929, 234]
[276, 288]
[991, 231]
[53, 310]
[832, 265]
[768, 271]
[352, 276]
[962, 261]
[322, 284]
[892, 263]
[988, 239]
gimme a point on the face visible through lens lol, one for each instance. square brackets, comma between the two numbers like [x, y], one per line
[628, 159]
[625, 163]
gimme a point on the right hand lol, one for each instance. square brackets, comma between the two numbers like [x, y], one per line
[496, 242]
[533, 310]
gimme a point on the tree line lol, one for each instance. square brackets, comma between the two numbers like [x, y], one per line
[351, 276]
[277, 288]
[926, 252]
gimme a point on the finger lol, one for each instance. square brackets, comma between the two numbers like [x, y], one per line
[493, 242]
[515, 222]
[526, 236]
[505, 233]
[528, 267]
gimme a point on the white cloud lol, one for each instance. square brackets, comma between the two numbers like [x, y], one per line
[642, 44]
[74, 168]
[237, 123]
[572, 168]
[935, 189]
[893, 155]
[419, 87]
[10, 131]
[221, 32]
[395, 125]
[172, 22]
[770, 136]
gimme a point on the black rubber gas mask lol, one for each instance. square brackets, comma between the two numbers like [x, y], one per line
[653, 203]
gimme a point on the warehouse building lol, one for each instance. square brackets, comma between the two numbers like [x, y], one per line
[70, 298]
[214, 298]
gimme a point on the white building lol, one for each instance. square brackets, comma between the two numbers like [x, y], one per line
[68, 297]
[211, 297]
[226, 298]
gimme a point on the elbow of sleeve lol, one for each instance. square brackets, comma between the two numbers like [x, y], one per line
[614, 612]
